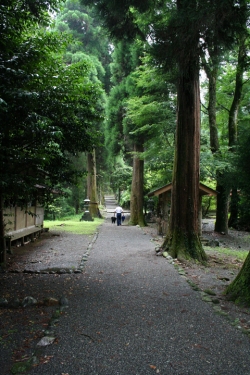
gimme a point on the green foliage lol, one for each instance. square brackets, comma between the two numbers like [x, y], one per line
[89, 40]
[89, 43]
[125, 199]
[60, 207]
[121, 178]
[48, 111]
[150, 115]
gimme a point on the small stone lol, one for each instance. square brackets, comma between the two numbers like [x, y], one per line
[53, 322]
[29, 301]
[210, 292]
[3, 302]
[206, 299]
[50, 301]
[34, 360]
[64, 301]
[46, 340]
[49, 332]
[62, 271]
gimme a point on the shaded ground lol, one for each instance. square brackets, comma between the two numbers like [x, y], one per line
[46, 269]
[220, 271]
[49, 268]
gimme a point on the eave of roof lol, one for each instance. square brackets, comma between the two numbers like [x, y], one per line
[204, 190]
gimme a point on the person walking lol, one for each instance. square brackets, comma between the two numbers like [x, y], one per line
[118, 212]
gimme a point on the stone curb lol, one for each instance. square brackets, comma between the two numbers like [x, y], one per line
[206, 295]
[61, 271]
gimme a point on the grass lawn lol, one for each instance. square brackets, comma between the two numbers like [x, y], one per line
[238, 254]
[74, 225]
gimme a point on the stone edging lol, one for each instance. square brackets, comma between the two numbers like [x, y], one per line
[61, 271]
[49, 333]
[206, 295]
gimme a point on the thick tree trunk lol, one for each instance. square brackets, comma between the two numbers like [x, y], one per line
[239, 289]
[2, 239]
[214, 139]
[136, 199]
[183, 240]
[91, 184]
[234, 209]
[221, 222]
[233, 123]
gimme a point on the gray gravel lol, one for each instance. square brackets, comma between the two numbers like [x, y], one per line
[131, 313]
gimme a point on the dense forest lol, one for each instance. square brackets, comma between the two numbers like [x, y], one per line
[100, 96]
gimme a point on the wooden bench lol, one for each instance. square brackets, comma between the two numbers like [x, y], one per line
[31, 232]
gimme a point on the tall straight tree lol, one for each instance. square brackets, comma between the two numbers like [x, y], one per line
[119, 138]
[242, 65]
[89, 43]
[211, 59]
[178, 31]
[183, 239]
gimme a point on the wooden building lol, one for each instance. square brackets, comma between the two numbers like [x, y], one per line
[23, 224]
[163, 210]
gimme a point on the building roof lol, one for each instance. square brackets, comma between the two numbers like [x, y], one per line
[204, 190]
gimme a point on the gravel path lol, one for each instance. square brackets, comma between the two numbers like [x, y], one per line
[132, 313]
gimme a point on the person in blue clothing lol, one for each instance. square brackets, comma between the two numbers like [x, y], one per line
[118, 212]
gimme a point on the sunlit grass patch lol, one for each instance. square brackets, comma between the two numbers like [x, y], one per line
[74, 225]
[238, 254]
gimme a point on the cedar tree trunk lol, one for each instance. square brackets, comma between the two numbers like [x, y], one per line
[183, 240]
[91, 184]
[2, 239]
[239, 289]
[136, 198]
[221, 222]
[214, 139]
[233, 123]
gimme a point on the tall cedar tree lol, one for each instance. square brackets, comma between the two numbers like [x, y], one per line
[178, 33]
[90, 43]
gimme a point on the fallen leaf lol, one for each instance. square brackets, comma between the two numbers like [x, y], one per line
[152, 367]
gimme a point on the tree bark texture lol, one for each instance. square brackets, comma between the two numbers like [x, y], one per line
[136, 199]
[221, 222]
[91, 184]
[214, 139]
[2, 239]
[233, 123]
[239, 289]
[183, 240]
[234, 208]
